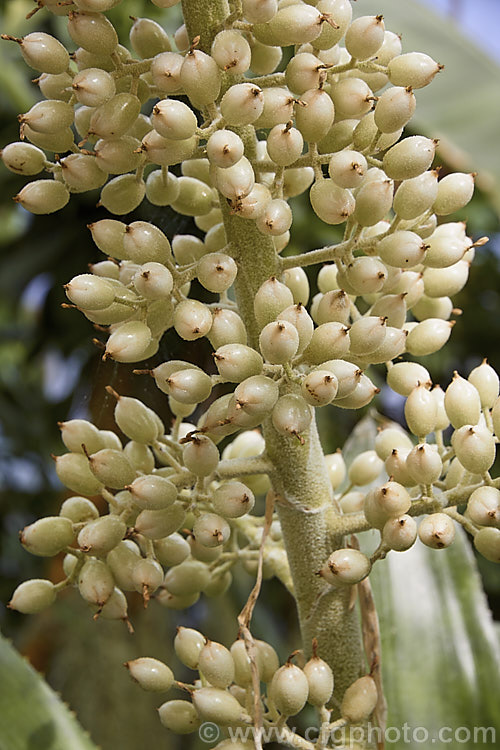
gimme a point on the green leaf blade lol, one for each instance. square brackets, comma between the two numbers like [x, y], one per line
[440, 654]
[32, 716]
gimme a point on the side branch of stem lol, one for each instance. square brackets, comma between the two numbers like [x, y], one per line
[239, 467]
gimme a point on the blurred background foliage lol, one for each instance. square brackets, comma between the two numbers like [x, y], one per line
[50, 371]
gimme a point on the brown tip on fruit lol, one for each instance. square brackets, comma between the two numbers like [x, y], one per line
[480, 242]
[9, 38]
[326, 18]
[100, 345]
[129, 625]
[112, 392]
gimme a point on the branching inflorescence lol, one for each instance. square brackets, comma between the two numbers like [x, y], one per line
[247, 139]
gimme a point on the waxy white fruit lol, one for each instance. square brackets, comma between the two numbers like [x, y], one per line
[151, 674]
[359, 700]
[33, 596]
[289, 689]
[345, 567]
[437, 531]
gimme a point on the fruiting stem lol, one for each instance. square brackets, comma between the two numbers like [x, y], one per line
[301, 480]
[243, 25]
[172, 442]
[272, 79]
[129, 303]
[110, 498]
[299, 476]
[380, 553]
[321, 255]
[468, 525]
[315, 160]
[234, 15]
[166, 457]
[132, 69]
[285, 735]
[73, 576]
[203, 18]
[239, 467]
[333, 71]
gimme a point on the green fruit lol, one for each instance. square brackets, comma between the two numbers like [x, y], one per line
[48, 536]
[33, 596]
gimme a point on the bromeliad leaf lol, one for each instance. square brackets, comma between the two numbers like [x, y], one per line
[31, 714]
[440, 651]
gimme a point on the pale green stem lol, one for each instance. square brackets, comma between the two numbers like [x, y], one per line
[302, 481]
[266, 165]
[321, 255]
[374, 162]
[286, 736]
[130, 303]
[165, 456]
[369, 66]
[342, 68]
[239, 467]
[175, 430]
[172, 442]
[354, 523]
[459, 518]
[132, 69]
[373, 145]
[438, 435]
[324, 734]
[273, 79]
[73, 576]
[257, 261]
[204, 18]
[110, 498]
[380, 553]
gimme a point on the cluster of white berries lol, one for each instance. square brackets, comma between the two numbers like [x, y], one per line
[385, 268]
[329, 124]
[140, 292]
[220, 694]
[429, 477]
[154, 485]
